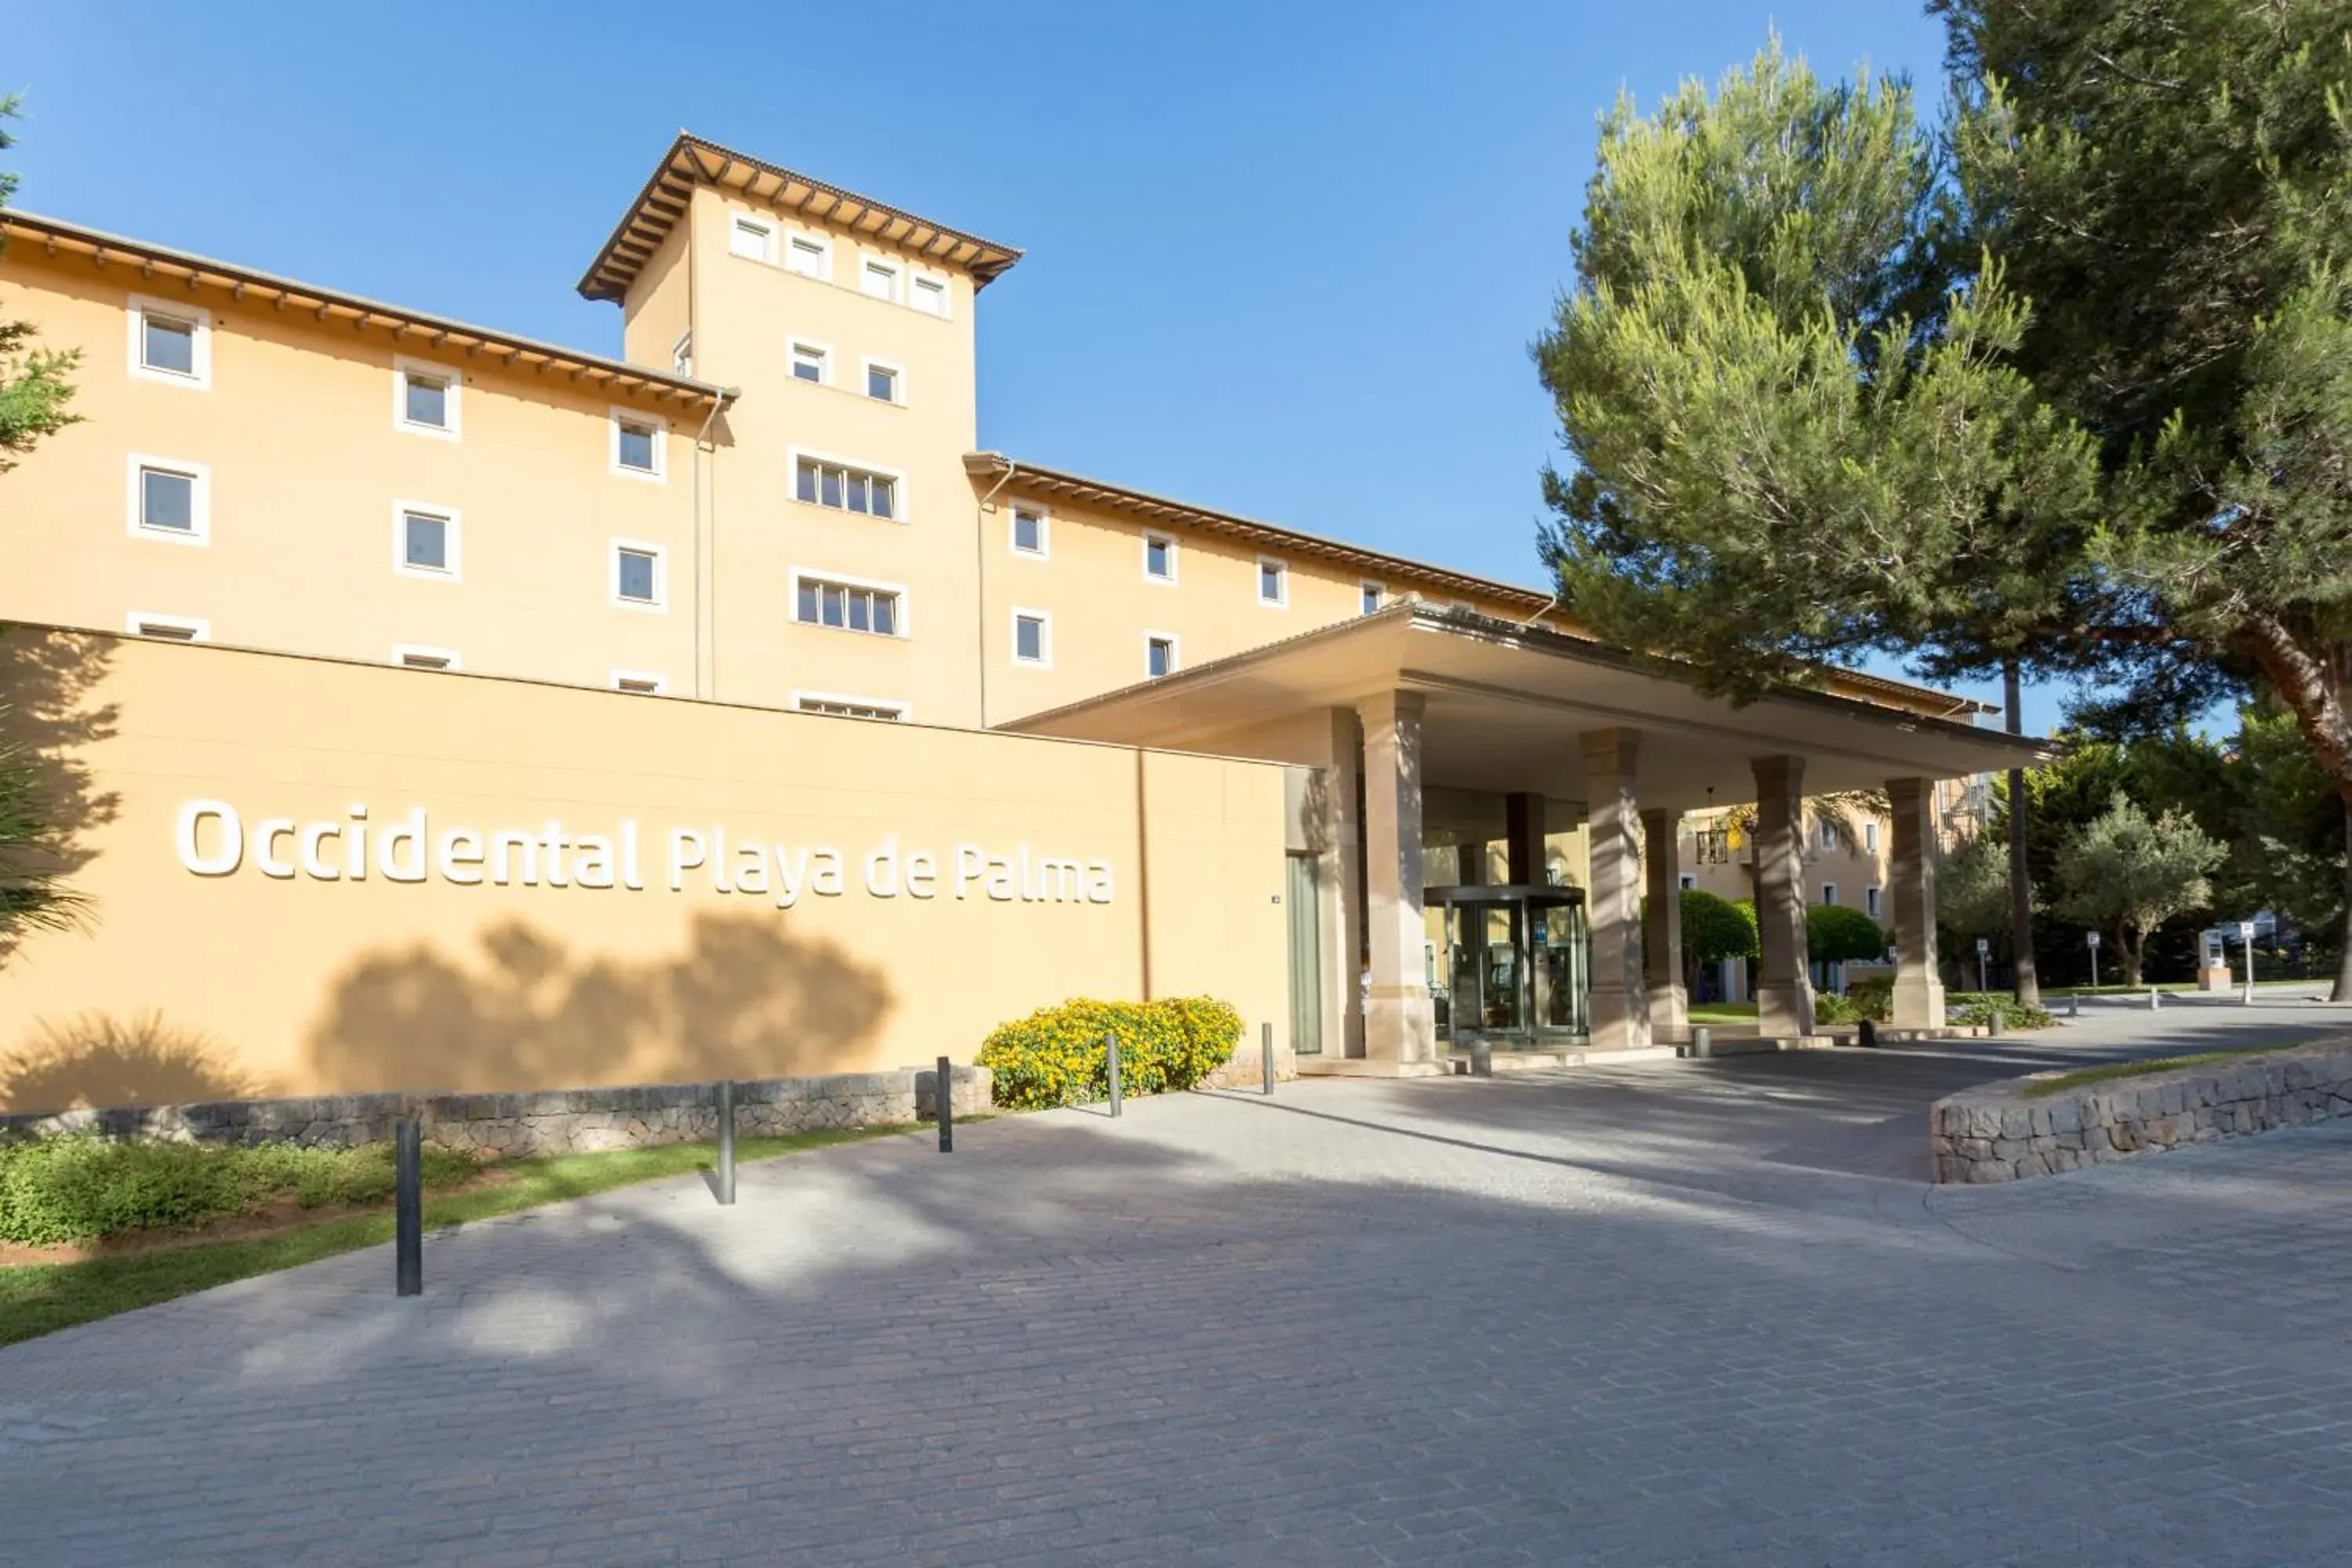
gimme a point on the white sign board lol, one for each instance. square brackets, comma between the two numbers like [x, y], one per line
[1984, 946]
[2246, 931]
[2092, 937]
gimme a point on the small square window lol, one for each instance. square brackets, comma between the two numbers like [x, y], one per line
[930, 296]
[170, 341]
[1827, 831]
[168, 345]
[428, 543]
[637, 576]
[1373, 595]
[879, 278]
[1688, 881]
[1028, 530]
[1159, 557]
[809, 363]
[1030, 644]
[637, 444]
[427, 399]
[751, 238]
[1828, 893]
[1273, 583]
[428, 402]
[1159, 656]
[881, 383]
[167, 501]
[809, 257]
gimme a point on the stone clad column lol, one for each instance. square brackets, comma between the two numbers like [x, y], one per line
[1918, 980]
[1340, 874]
[1784, 990]
[1523, 832]
[1400, 1022]
[1621, 1002]
[1661, 927]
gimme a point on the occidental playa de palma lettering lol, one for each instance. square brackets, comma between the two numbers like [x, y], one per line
[213, 840]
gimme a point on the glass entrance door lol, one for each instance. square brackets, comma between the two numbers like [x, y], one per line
[1517, 966]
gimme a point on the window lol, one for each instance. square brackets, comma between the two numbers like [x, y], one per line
[1870, 902]
[170, 341]
[425, 541]
[929, 295]
[879, 278]
[883, 381]
[809, 254]
[1033, 638]
[637, 443]
[1371, 596]
[1273, 582]
[1029, 530]
[750, 237]
[681, 355]
[171, 500]
[1159, 558]
[645, 683]
[826, 481]
[1158, 654]
[426, 398]
[1825, 833]
[167, 629]
[1828, 893]
[811, 362]
[639, 575]
[409, 656]
[826, 702]
[1689, 880]
[1870, 839]
[848, 605]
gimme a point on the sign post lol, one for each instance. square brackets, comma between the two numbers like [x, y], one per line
[2092, 938]
[1984, 959]
[2246, 940]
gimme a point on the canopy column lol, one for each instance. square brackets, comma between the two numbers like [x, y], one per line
[1621, 1002]
[1784, 989]
[1399, 1021]
[1919, 982]
[1661, 927]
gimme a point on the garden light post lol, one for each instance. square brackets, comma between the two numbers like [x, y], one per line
[726, 1140]
[1110, 1059]
[408, 1207]
[1265, 1059]
[943, 1101]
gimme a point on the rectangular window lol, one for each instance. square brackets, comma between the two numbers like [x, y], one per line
[1159, 654]
[1028, 530]
[750, 236]
[1826, 833]
[821, 481]
[1273, 582]
[809, 362]
[849, 605]
[1870, 839]
[879, 278]
[681, 355]
[1828, 893]
[809, 256]
[638, 575]
[644, 683]
[170, 499]
[882, 381]
[170, 341]
[409, 656]
[1371, 596]
[930, 295]
[638, 442]
[874, 708]
[424, 541]
[1870, 902]
[426, 398]
[167, 629]
[1033, 638]
[1159, 558]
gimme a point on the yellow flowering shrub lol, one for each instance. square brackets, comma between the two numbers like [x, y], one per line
[1055, 1055]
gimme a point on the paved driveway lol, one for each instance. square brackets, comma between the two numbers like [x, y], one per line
[1659, 1313]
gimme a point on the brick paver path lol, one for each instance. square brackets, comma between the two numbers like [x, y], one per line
[1657, 1314]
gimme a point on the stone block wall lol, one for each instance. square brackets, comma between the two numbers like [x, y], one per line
[2000, 1132]
[553, 1122]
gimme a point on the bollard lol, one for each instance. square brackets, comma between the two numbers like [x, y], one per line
[1865, 1033]
[2075, 1004]
[2155, 1000]
[1110, 1056]
[1702, 1041]
[1994, 1022]
[1266, 1057]
[943, 1101]
[726, 1140]
[408, 1208]
[1482, 1058]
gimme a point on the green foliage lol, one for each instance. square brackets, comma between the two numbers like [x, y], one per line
[34, 388]
[1972, 887]
[1716, 928]
[70, 1189]
[2126, 873]
[1975, 1009]
[1836, 934]
[1829, 1007]
[1057, 1056]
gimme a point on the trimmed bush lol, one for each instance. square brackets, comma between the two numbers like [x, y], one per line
[1715, 929]
[1977, 1007]
[71, 1189]
[1055, 1055]
[1836, 934]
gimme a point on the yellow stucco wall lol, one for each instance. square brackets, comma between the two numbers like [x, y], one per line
[185, 987]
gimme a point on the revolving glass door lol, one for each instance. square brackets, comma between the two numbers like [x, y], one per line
[1515, 964]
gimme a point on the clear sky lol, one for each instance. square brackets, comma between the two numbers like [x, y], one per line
[1283, 259]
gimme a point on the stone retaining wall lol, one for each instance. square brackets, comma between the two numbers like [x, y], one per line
[553, 1121]
[1999, 1133]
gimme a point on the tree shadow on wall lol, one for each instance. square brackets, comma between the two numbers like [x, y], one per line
[98, 1060]
[47, 719]
[746, 999]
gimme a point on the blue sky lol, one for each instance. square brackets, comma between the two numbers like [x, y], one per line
[1283, 259]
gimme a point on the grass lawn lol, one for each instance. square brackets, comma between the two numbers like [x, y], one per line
[43, 1298]
[1722, 1012]
[2169, 985]
[2066, 1080]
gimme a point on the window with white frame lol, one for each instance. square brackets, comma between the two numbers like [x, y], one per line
[639, 573]
[1828, 893]
[1029, 525]
[427, 542]
[845, 486]
[1870, 839]
[637, 444]
[426, 398]
[846, 604]
[167, 629]
[1689, 880]
[1159, 557]
[1033, 638]
[1825, 831]
[1158, 654]
[644, 683]
[879, 277]
[1371, 596]
[809, 254]
[1273, 582]
[928, 294]
[874, 708]
[171, 500]
[1870, 902]
[170, 342]
[812, 362]
[753, 236]
[885, 382]
[413, 655]
[681, 355]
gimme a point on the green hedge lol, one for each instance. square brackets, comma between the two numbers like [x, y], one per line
[1055, 1056]
[1874, 999]
[71, 1189]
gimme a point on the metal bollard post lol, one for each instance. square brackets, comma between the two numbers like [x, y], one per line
[1266, 1057]
[408, 1207]
[1482, 1058]
[2074, 1005]
[943, 1101]
[2155, 1000]
[726, 1140]
[1865, 1033]
[1702, 1041]
[1110, 1055]
[1994, 1022]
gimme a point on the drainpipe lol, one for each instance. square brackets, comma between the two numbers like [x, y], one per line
[703, 610]
[979, 562]
[1539, 615]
